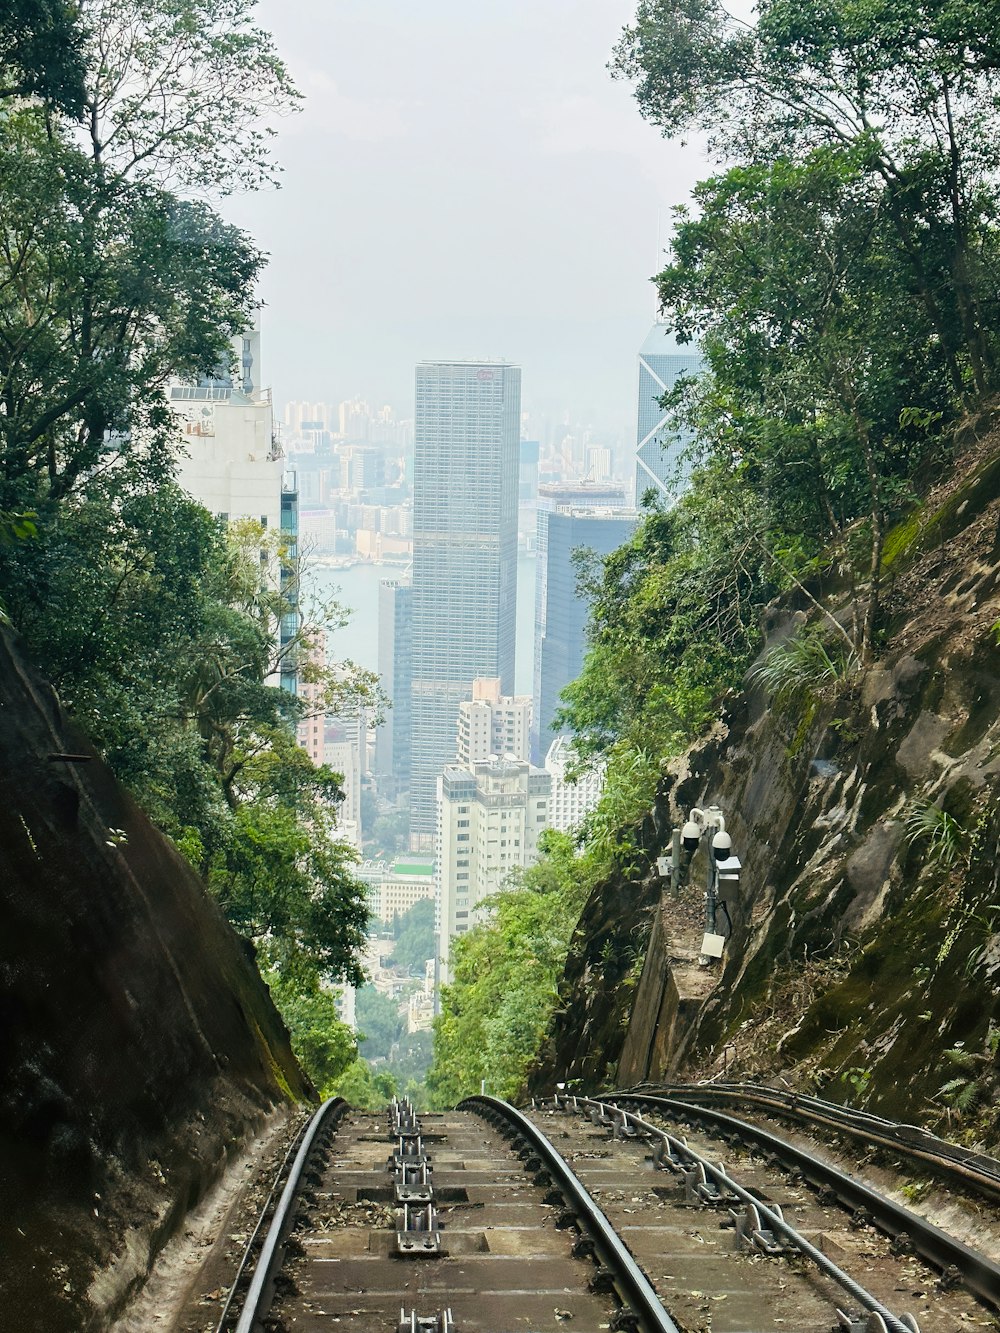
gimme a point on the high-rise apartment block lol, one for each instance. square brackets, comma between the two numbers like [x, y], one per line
[659, 446]
[489, 818]
[465, 482]
[571, 800]
[344, 751]
[601, 523]
[234, 465]
[392, 740]
[491, 723]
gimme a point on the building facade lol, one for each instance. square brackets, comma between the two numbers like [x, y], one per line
[392, 740]
[561, 613]
[489, 818]
[233, 464]
[491, 723]
[571, 801]
[659, 446]
[465, 483]
[394, 888]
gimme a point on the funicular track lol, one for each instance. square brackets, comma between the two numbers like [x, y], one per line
[773, 1240]
[462, 1221]
[959, 1165]
[473, 1221]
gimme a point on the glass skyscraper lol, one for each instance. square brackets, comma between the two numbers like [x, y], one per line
[465, 483]
[561, 620]
[552, 496]
[658, 449]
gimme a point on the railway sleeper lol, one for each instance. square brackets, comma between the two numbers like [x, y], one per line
[418, 1232]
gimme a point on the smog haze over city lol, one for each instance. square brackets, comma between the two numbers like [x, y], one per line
[462, 181]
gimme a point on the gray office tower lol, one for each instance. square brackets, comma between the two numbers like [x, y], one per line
[561, 614]
[465, 479]
[392, 740]
[658, 449]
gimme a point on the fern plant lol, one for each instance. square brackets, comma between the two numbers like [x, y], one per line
[943, 834]
[807, 661]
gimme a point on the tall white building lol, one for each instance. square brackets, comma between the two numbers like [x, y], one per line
[571, 802]
[489, 818]
[491, 723]
[344, 742]
[233, 462]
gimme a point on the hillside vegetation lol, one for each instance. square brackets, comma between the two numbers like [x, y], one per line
[839, 273]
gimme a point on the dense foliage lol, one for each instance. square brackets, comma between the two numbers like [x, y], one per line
[415, 940]
[119, 122]
[506, 972]
[839, 274]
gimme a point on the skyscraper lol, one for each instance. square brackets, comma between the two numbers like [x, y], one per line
[561, 628]
[392, 740]
[662, 362]
[551, 496]
[465, 480]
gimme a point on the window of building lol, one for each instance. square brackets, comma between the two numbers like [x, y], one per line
[463, 823]
[464, 837]
[463, 875]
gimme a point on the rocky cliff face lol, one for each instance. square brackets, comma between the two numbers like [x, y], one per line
[866, 942]
[138, 1045]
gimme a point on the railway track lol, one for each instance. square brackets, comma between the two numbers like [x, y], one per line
[583, 1215]
[459, 1221]
[958, 1165]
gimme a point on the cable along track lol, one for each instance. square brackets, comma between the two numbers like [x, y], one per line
[437, 1224]
[960, 1165]
[754, 1247]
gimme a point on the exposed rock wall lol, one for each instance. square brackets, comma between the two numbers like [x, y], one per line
[138, 1045]
[859, 957]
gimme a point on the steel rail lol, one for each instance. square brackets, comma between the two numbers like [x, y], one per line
[631, 1283]
[724, 1181]
[261, 1290]
[950, 1159]
[980, 1274]
[222, 1323]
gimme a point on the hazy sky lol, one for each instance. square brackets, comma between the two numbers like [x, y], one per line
[465, 180]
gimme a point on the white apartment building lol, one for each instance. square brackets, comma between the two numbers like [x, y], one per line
[493, 724]
[489, 817]
[233, 464]
[232, 461]
[571, 802]
[344, 743]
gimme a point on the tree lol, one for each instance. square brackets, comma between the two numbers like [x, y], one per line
[415, 937]
[110, 283]
[910, 89]
[41, 53]
[505, 979]
[380, 1024]
[324, 1046]
[282, 875]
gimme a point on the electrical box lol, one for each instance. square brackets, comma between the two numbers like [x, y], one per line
[712, 945]
[663, 867]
